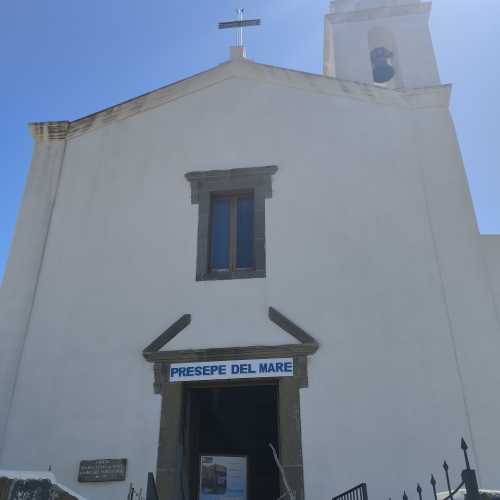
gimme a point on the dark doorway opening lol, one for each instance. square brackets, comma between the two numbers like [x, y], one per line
[233, 420]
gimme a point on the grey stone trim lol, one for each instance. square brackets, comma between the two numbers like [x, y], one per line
[170, 447]
[158, 376]
[225, 353]
[228, 275]
[231, 180]
[290, 327]
[170, 452]
[291, 434]
[203, 185]
[168, 334]
[308, 345]
[170, 442]
[300, 368]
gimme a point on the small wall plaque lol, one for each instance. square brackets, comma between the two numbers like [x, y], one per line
[102, 470]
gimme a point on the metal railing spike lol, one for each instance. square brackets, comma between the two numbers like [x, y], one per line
[446, 468]
[468, 482]
[464, 447]
[433, 483]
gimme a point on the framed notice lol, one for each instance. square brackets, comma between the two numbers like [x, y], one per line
[102, 470]
[223, 477]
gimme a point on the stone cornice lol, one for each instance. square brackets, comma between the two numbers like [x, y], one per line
[244, 69]
[49, 131]
[227, 353]
[236, 172]
[428, 97]
[380, 12]
[237, 178]
[308, 344]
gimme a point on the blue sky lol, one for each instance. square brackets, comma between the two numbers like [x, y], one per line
[63, 59]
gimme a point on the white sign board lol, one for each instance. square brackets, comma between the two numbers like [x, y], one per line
[224, 370]
[223, 477]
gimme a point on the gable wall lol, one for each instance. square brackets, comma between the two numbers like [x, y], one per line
[352, 256]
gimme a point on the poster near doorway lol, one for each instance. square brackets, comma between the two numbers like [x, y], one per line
[223, 476]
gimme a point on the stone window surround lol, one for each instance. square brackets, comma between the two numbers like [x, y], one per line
[206, 183]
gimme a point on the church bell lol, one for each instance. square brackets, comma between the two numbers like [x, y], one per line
[382, 67]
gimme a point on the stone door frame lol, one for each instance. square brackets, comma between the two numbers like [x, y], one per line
[170, 443]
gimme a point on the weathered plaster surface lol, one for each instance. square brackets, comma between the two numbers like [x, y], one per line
[249, 70]
[23, 268]
[371, 246]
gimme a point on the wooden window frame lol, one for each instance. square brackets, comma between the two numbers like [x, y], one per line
[233, 198]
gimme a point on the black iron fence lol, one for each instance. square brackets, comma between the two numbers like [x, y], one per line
[468, 483]
[133, 494]
[151, 490]
[359, 492]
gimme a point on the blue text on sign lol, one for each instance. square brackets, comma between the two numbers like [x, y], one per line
[220, 370]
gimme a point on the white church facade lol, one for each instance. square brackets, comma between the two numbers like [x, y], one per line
[257, 255]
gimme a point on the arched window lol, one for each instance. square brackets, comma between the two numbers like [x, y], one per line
[382, 56]
[382, 67]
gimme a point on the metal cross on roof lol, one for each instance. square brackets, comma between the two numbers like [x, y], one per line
[239, 23]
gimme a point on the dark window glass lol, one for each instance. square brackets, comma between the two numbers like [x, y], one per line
[220, 234]
[232, 233]
[244, 238]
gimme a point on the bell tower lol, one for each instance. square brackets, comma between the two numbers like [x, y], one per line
[382, 42]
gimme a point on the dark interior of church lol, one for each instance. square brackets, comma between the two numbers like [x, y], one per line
[234, 420]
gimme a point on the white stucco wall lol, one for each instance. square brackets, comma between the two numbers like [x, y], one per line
[18, 287]
[371, 247]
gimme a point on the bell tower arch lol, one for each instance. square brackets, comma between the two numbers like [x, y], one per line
[382, 42]
[384, 58]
